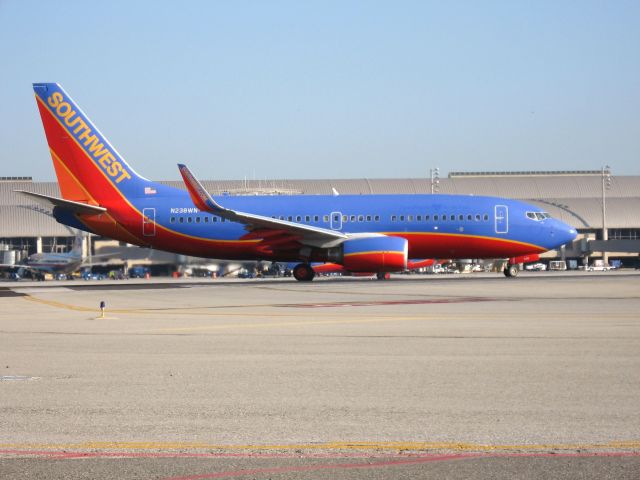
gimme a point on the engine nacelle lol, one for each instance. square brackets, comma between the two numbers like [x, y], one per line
[375, 254]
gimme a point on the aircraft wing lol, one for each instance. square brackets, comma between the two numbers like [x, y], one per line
[309, 234]
[76, 207]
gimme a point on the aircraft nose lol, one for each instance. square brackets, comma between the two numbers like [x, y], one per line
[563, 233]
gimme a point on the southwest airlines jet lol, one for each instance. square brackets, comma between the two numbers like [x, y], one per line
[103, 195]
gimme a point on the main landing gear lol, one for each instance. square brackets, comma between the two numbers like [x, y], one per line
[511, 270]
[383, 275]
[303, 272]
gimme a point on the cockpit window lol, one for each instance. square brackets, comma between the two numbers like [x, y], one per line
[538, 215]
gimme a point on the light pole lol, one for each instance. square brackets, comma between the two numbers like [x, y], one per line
[606, 185]
[435, 180]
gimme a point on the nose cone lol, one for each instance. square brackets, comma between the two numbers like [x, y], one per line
[560, 233]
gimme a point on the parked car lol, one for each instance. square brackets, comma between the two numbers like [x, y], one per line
[86, 275]
[138, 272]
[536, 267]
[599, 268]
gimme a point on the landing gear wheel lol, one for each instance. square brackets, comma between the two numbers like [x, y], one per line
[383, 276]
[511, 271]
[303, 272]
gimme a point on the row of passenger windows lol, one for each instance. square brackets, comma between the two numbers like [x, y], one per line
[443, 218]
[197, 219]
[346, 218]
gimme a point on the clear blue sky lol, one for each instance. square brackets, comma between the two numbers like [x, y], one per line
[306, 89]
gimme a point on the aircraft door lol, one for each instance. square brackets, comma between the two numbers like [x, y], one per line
[149, 222]
[502, 219]
[336, 220]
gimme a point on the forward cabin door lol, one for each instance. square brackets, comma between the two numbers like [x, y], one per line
[149, 222]
[502, 219]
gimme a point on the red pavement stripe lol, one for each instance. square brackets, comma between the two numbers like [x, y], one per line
[388, 463]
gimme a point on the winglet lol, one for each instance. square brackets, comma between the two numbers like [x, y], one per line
[198, 193]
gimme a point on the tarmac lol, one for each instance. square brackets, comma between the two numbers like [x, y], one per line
[453, 376]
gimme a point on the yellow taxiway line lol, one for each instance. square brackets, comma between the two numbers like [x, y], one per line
[331, 446]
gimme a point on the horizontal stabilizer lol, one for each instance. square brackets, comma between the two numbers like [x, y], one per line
[76, 207]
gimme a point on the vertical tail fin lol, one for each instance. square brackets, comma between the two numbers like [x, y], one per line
[77, 246]
[88, 168]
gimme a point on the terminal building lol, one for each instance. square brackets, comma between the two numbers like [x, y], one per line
[604, 208]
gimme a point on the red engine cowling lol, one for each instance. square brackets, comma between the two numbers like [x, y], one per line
[375, 254]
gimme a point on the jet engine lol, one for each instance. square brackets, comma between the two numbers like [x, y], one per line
[375, 254]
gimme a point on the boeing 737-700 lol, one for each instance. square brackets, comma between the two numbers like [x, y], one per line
[102, 194]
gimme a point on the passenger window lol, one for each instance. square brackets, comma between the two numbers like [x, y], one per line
[298, 218]
[189, 219]
[410, 218]
[477, 217]
[173, 220]
[181, 219]
[402, 218]
[368, 218]
[353, 218]
[444, 218]
[469, 217]
[290, 218]
[453, 217]
[197, 219]
[345, 219]
[206, 219]
[315, 218]
[393, 218]
[426, 218]
[486, 217]
[307, 218]
[214, 219]
[435, 217]
[377, 218]
[326, 218]
[361, 218]
[418, 218]
[336, 218]
[461, 217]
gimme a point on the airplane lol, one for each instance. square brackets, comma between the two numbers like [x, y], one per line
[54, 263]
[102, 194]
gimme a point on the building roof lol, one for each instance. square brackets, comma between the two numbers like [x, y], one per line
[570, 196]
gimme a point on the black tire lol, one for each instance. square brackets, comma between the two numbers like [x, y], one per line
[303, 272]
[511, 271]
[383, 276]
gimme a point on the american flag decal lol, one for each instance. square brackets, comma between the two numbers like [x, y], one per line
[149, 191]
